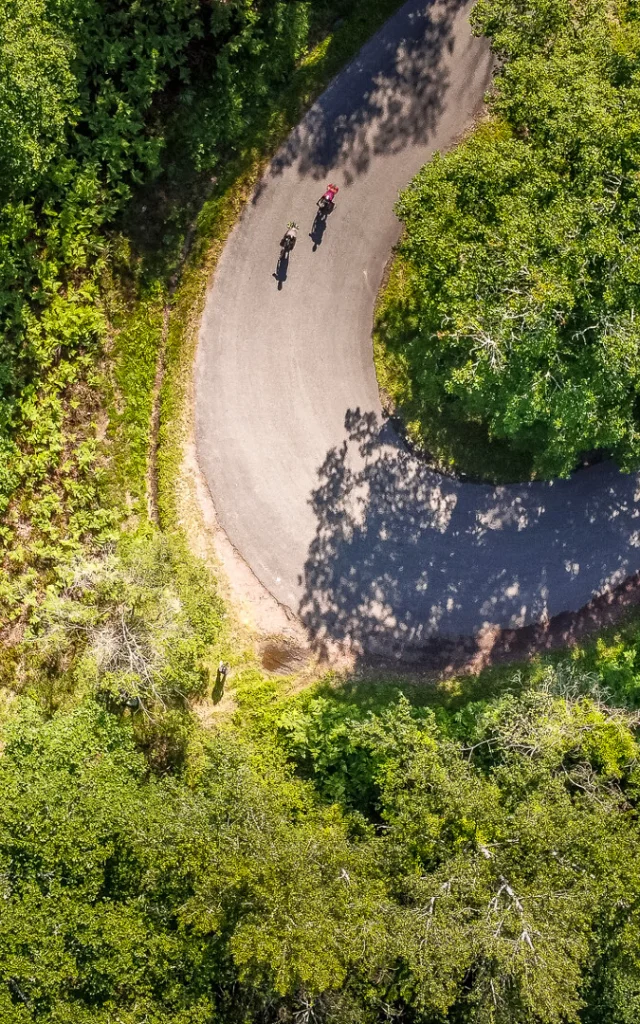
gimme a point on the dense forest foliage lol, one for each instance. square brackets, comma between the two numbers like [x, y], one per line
[102, 103]
[515, 311]
[328, 863]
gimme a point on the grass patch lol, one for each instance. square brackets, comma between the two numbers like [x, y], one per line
[77, 417]
[136, 351]
[608, 665]
[79, 473]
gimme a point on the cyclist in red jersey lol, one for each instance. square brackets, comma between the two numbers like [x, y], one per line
[328, 198]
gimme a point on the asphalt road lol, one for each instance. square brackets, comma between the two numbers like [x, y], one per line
[311, 485]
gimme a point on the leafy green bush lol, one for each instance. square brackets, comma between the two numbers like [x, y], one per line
[132, 625]
[502, 832]
[77, 78]
[129, 896]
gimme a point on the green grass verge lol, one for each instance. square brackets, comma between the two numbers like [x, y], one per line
[611, 660]
[136, 350]
[448, 443]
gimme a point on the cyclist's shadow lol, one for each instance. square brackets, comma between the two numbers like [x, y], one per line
[319, 227]
[282, 269]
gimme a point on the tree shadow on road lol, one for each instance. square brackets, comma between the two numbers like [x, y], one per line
[408, 563]
[390, 97]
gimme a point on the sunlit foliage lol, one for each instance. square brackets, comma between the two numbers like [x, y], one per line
[339, 865]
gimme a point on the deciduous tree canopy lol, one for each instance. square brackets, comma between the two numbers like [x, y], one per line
[521, 246]
[336, 865]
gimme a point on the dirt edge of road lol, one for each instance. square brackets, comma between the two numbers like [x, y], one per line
[280, 640]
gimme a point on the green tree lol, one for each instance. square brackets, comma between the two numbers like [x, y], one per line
[520, 311]
[37, 94]
[504, 839]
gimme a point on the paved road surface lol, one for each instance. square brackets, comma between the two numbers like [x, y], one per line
[311, 485]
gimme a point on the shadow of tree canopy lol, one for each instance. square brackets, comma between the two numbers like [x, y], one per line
[378, 104]
[403, 557]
